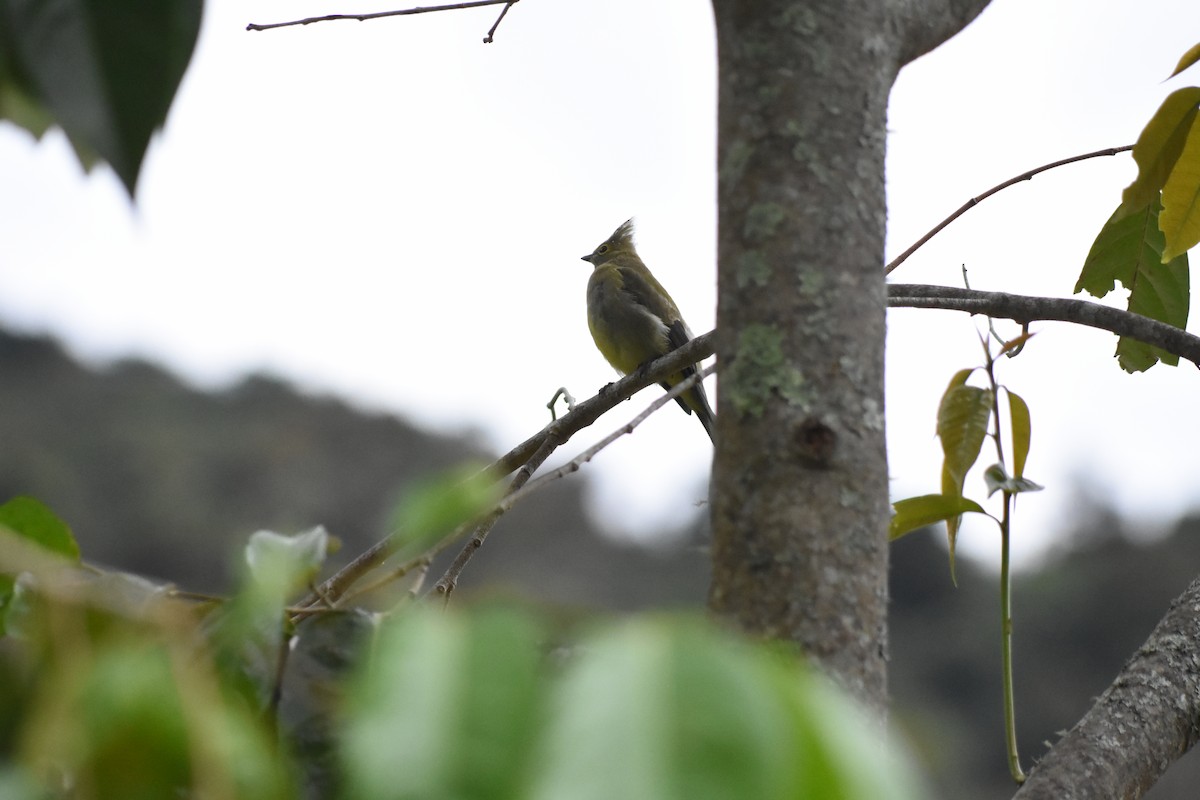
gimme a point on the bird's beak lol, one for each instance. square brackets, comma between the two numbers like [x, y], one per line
[587, 258]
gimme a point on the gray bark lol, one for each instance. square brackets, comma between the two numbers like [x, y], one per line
[800, 495]
[1143, 722]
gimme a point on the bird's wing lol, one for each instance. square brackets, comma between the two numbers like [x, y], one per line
[678, 334]
[647, 292]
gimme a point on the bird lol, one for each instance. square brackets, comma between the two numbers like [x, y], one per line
[634, 321]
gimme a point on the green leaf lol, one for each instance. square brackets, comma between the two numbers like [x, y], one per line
[432, 508]
[130, 719]
[17, 106]
[953, 489]
[1129, 249]
[286, 562]
[1189, 58]
[16, 784]
[664, 708]
[7, 586]
[18, 617]
[997, 480]
[958, 419]
[107, 70]
[1180, 217]
[1159, 145]
[1018, 413]
[914, 513]
[33, 521]
[467, 707]
[962, 425]
[447, 708]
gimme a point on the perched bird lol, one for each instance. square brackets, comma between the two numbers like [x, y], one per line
[634, 321]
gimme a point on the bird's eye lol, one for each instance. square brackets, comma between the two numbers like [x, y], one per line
[602, 249]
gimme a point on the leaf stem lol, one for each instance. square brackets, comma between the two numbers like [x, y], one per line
[1006, 624]
[1010, 725]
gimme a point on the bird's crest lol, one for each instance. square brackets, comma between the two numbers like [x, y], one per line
[623, 235]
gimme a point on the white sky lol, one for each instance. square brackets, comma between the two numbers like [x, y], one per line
[393, 212]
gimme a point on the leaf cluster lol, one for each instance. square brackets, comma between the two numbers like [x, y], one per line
[140, 693]
[105, 71]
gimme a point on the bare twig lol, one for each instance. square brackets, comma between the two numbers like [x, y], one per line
[589, 411]
[520, 488]
[567, 398]
[446, 583]
[398, 13]
[488, 39]
[974, 201]
[420, 565]
[587, 455]
[1025, 309]
[583, 415]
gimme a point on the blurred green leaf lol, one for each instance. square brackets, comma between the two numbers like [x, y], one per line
[914, 513]
[674, 708]
[15, 784]
[447, 708]
[7, 583]
[18, 612]
[432, 508]
[18, 107]
[1129, 249]
[1022, 430]
[284, 562]
[1189, 58]
[132, 721]
[250, 634]
[106, 70]
[1180, 217]
[997, 480]
[34, 522]
[1158, 148]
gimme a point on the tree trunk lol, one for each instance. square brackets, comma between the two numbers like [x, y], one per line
[799, 494]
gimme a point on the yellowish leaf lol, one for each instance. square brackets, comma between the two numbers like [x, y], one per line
[1189, 58]
[1180, 217]
[1159, 146]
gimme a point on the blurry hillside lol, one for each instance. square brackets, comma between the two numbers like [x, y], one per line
[166, 481]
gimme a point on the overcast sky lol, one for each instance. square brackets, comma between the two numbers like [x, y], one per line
[393, 212]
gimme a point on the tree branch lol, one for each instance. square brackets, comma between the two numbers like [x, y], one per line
[253, 26]
[974, 201]
[563, 429]
[1144, 721]
[492, 31]
[446, 584]
[1023, 309]
[522, 487]
[924, 24]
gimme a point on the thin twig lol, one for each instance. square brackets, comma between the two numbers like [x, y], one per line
[583, 415]
[1025, 309]
[445, 584]
[399, 13]
[974, 201]
[515, 494]
[488, 39]
[420, 564]
[567, 398]
[522, 487]
[576, 463]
